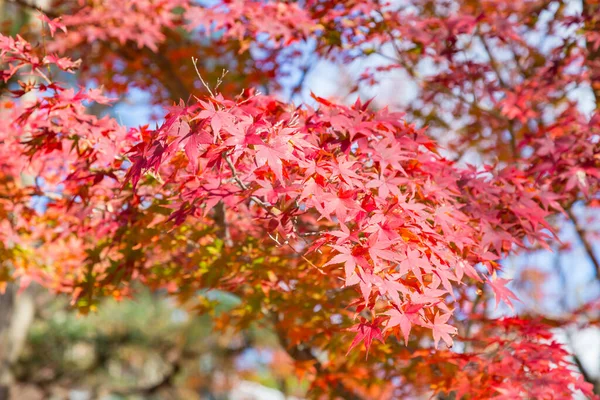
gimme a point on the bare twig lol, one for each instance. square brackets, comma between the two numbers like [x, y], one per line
[195, 62]
[220, 80]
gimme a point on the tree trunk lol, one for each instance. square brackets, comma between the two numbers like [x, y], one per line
[7, 300]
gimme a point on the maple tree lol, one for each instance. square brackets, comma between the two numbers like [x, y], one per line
[341, 225]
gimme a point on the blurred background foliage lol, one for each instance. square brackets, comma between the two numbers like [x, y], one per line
[148, 348]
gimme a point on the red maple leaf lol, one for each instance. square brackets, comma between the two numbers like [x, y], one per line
[366, 332]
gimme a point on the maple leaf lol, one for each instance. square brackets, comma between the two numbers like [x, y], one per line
[63, 63]
[398, 318]
[272, 157]
[500, 291]
[346, 171]
[441, 330]
[344, 234]
[345, 257]
[385, 186]
[218, 118]
[192, 143]
[53, 24]
[366, 332]
[414, 262]
[380, 249]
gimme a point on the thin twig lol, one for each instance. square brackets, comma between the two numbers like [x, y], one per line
[243, 186]
[195, 62]
[265, 206]
[220, 80]
[286, 243]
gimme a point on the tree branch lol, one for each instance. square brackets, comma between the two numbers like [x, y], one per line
[590, 10]
[586, 243]
[504, 85]
[173, 83]
[34, 7]
[586, 376]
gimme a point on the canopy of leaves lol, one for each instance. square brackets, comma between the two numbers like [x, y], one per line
[339, 225]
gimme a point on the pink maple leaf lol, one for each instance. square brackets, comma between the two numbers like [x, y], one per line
[501, 292]
[398, 318]
[441, 330]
